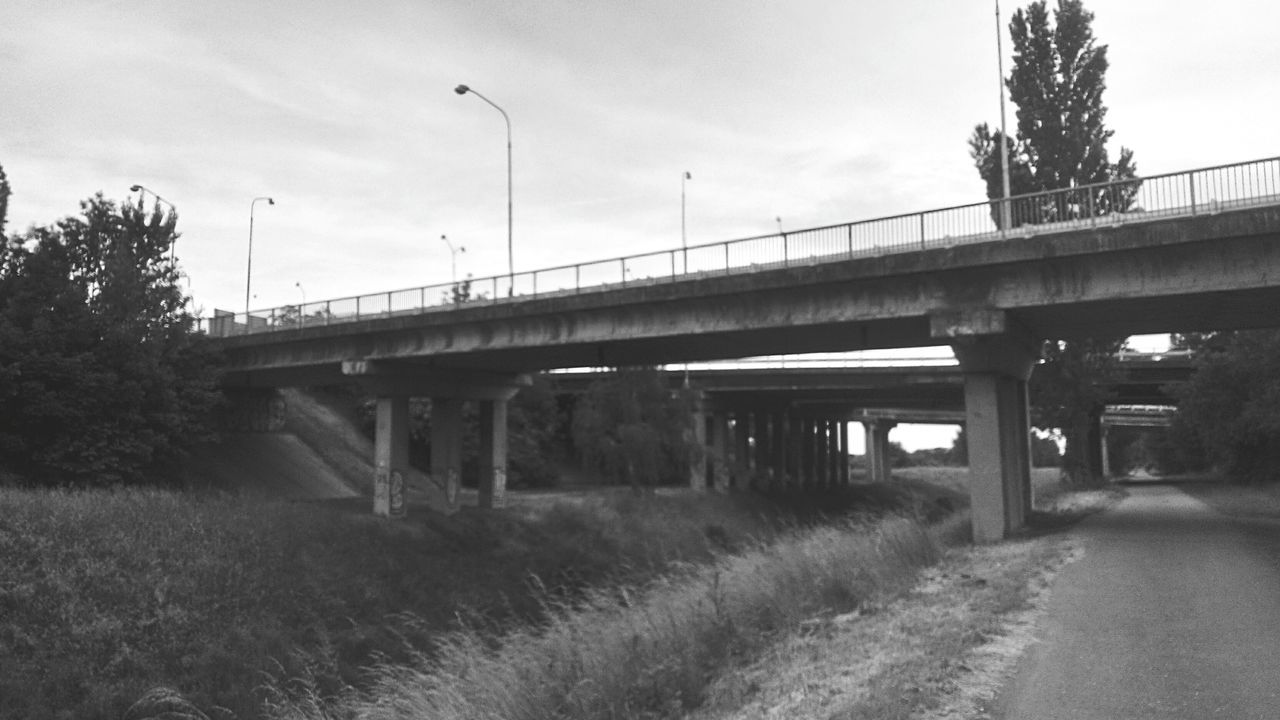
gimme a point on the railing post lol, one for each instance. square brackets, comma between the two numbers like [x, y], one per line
[1093, 215]
[327, 312]
[726, 258]
[673, 264]
[850, 228]
[388, 303]
[357, 307]
[623, 263]
[921, 231]
[1191, 181]
[535, 283]
[577, 279]
[786, 251]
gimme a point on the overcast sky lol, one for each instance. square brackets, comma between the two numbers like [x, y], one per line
[344, 112]
[812, 111]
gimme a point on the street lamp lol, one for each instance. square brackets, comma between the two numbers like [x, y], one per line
[1004, 139]
[684, 238]
[511, 273]
[248, 275]
[173, 208]
[303, 291]
[453, 258]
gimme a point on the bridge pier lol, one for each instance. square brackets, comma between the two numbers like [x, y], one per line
[879, 468]
[720, 432]
[393, 383]
[493, 454]
[390, 455]
[997, 424]
[843, 430]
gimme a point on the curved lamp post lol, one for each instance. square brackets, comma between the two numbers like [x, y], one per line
[511, 273]
[248, 275]
[173, 208]
[453, 259]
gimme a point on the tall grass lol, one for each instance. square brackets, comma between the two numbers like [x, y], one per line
[104, 594]
[648, 652]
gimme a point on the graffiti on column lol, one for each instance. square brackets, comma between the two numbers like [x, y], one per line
[381, 491]
[396, 500]
[451, 487]
[499, 487]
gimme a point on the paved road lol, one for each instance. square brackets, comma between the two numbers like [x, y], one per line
[1173, 612]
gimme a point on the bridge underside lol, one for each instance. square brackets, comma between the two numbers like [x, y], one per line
[990, 301]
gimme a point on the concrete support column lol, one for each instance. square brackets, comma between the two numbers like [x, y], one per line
[822, 454]
[778, 448]
[719, 442]
[997, 424]
[446, 448]
[833, 452]
[390, 455]
[493, 453]
[844, 453]
[762, 477]
[698, 464]
[879, 466]
[741, 449]
[1106, 454]
[807, 442]
[795, 449]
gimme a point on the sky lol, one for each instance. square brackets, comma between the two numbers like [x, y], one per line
[806, 111]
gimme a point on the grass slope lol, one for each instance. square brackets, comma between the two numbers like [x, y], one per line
[104, 594]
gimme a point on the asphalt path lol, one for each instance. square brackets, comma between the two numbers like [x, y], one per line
[1172, 612]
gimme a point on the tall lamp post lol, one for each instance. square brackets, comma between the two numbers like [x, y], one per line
[511, 273]
[248, 275]
[453, 259]
[684, 238]
[173, 208]
[1004, 139]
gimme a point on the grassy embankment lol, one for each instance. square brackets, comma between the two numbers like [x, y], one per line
[103, 594]
[684, 644]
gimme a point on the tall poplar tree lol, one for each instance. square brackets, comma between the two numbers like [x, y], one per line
[1057, 81]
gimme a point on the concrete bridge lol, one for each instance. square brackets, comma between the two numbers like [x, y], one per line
[782, 419]
[1196, 250]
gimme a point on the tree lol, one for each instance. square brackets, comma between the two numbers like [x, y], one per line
[631, 428]
[1057, 82]
[1230, 408]
[102, 377]
[4, 200]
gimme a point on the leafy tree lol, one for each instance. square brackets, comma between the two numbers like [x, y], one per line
[1057, 82]
[1069, 391]
[102, 379]
[1229, 407]
[631, 428]
[4, 200]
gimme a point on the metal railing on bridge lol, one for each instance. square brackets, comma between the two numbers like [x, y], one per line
[1194, 192]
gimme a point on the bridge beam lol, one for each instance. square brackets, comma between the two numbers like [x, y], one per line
[996, 368]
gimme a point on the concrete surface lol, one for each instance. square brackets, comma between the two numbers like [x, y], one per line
[1172, 612]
